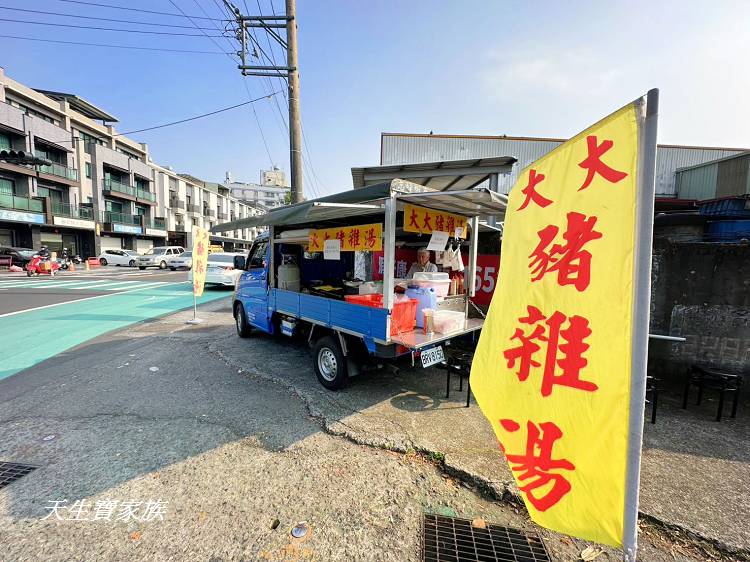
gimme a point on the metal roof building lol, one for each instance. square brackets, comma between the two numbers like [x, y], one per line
[405, 148]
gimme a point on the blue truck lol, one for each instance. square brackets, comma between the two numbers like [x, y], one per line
[343, 334]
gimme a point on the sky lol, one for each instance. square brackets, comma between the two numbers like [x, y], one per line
[455, 67]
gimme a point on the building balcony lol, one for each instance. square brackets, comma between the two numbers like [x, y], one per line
[145, 195]
[18, 203]
[179, 228]
[193, 208]
[221, 215]
[72, 211]
[175, 202]
[209, 213]
[157, 223]
[110, 217]
[119, 189]
[60, 171]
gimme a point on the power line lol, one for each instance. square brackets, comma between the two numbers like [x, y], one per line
[183, 15]
[197, 27]
[112, 46]
[247, 90]
[103, 28]
[196, 116]
[80, 16]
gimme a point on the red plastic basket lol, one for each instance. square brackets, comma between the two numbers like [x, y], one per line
[403, 315]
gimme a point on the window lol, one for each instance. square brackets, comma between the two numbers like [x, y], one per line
[7, 187]
[5, 143]
[141, 183]
[88, 169]
[258, 256]
[87, 138]
[172, 184]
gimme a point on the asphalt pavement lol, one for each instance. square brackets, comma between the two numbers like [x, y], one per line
[224, 435]
[43, 316]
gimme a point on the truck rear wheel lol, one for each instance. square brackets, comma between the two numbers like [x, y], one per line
[330, 363]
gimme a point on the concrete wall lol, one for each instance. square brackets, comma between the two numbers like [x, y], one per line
[700, 291]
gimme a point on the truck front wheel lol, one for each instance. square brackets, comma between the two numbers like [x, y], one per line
[240, 321]
[330, 363]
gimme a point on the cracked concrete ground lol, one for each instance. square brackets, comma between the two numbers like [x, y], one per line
[233, 435]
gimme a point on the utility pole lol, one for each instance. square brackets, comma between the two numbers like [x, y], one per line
[295, 124]
[290, 72]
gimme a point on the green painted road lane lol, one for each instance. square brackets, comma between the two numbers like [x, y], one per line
[29, 337]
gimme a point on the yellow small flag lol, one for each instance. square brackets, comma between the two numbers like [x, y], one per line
[200, 259]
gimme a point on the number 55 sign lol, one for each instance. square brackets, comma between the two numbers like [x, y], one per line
[486, 277]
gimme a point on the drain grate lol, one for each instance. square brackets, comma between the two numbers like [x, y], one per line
[10, 471]
[450, 539]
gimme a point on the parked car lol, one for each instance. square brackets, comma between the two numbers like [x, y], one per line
[118, 257]
[158, 256]
[185, 259]
[19, 256]
[220, 270]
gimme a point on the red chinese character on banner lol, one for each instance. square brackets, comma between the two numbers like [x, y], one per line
[440, 223]
[327, 236]
[354, 238]
[413, 218]
[341, 236]
[571, 262]
[532, 195]
[594, 164]
[199, 267]
[565, 356]
[196, 287]
[426, 223]
[535, 467]
[450, 224]
[200, 248]
[315, 242]
[370, 238]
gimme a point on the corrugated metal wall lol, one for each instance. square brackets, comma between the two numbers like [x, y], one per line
[408, 149]
[698, 183]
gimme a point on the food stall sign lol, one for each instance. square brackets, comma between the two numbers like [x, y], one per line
[353, 238]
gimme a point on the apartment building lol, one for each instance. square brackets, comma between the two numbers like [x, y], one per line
[101, 191]
[189, 201]
[270, 193]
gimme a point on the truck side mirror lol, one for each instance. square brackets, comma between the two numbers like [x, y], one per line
[239, 262]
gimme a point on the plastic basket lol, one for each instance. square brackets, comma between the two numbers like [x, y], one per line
[403, 315]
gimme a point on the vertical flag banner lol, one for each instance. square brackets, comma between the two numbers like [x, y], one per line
[200, 259]
[556, 361]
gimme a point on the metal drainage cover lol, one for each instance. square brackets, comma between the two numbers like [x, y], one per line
[449, 539]
[10, 471]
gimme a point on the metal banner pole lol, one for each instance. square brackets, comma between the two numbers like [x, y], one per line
[641, 308]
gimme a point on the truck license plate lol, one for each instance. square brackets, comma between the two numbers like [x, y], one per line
[432, 356]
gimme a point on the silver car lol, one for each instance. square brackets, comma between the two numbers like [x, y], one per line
[159, 256]
[185, 259]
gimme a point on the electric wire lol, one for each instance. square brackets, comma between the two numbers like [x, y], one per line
[81, 16]
[108, 46]
[193, 118]
[305, 142]
[247, 90]
[102, 28]
[183, 15]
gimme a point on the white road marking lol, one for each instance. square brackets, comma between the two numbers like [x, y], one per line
[79, 300]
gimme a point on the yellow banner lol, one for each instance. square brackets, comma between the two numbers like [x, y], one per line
[421, 219]
[362, 237]
[553, 365]
[200, 259]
